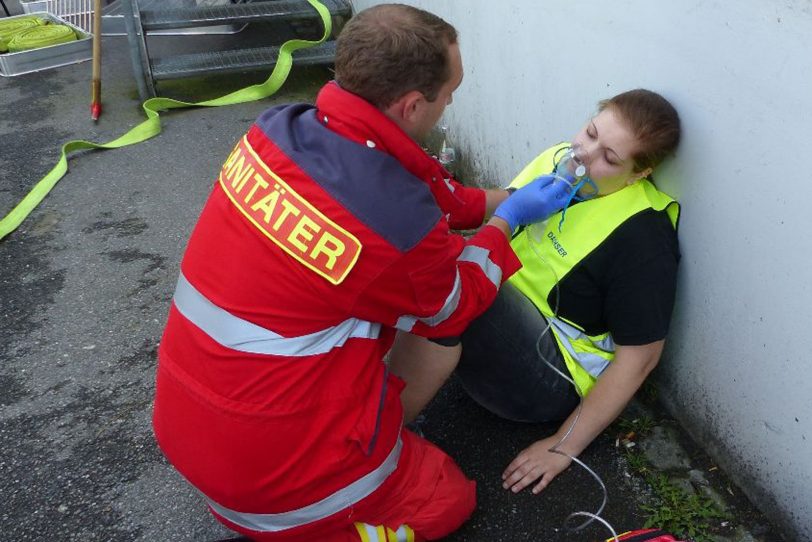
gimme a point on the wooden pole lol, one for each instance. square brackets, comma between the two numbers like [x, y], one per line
[95, 90]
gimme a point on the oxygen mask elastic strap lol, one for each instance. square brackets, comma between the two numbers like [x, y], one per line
[571, 168]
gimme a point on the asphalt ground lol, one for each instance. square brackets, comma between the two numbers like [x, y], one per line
[85, 288]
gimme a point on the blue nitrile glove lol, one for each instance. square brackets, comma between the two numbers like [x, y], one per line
[534, 202]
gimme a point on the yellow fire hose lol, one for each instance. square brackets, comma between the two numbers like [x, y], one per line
[11, 27]
[40, 36]
[152, 126]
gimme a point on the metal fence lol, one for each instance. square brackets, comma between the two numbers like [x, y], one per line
[76, 12]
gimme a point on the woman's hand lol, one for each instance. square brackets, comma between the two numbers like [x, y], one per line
[534, 462]
[604, 403]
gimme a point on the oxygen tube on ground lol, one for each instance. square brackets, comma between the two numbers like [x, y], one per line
[570, 169]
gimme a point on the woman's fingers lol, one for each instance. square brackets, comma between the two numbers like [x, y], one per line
[524, 470]
[544, 482]
[513, 467]
[523, 477]
[534, 463]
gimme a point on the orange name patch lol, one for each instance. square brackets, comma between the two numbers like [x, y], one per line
[285, 217]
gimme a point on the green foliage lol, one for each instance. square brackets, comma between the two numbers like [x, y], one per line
[637, 462]
[679, 511]
[641, 425]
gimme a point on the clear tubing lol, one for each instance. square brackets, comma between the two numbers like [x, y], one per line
[534, 237]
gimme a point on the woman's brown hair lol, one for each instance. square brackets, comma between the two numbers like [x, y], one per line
[652, 120]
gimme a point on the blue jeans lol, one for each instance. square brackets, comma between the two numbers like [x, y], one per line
[500, 367]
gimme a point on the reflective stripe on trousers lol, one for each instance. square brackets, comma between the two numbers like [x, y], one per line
[471, 254]
[379, 533]
[244, 336]
[332, 504]
[594, 364]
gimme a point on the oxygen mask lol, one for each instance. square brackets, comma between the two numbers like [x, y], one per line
[571, 167]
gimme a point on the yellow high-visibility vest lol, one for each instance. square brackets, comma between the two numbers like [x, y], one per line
[548, 255]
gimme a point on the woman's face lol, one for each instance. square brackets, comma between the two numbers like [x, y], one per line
[606, 146]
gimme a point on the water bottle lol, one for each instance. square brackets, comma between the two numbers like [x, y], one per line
[447, 156]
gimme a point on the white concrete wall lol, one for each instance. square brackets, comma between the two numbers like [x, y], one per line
[737, 367]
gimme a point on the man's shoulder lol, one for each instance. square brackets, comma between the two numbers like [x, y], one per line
[371, 185]
[281, 116]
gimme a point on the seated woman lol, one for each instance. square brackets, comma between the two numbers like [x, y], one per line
[603, 280]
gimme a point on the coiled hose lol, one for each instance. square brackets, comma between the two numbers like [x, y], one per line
[40, 36]
[24, 33]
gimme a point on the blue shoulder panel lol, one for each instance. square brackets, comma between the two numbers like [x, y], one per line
[370, 184]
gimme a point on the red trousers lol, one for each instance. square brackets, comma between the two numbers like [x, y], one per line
[427, 492]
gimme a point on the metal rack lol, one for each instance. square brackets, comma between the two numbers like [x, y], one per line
[113, 20]
[76, 12]
[51, 56]
[141, 21]
[80, 13]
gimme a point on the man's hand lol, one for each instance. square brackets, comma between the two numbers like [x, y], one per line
[534, 462]
[533, 202]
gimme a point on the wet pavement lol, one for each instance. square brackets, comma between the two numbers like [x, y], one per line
[85, 288]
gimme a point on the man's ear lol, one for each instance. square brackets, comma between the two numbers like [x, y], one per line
[405, 111]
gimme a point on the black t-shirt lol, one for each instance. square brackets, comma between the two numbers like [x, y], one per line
[626, 285]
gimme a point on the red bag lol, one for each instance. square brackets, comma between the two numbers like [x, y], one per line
[645, 535]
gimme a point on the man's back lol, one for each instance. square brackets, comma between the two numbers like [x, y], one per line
[260, 330]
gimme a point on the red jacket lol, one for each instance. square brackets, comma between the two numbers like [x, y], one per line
[328, 229]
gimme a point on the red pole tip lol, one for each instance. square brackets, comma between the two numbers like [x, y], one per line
[95, 111]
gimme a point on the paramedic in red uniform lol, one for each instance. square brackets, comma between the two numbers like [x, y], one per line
[327, 231]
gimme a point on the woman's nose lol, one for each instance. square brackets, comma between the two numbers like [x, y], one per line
[593, 151]
[583, 154]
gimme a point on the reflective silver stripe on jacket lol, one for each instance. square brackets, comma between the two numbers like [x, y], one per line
[482, 257]
[407, 322]
[241, 335]
[472, 254]
[592, 363]
[326, 507]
